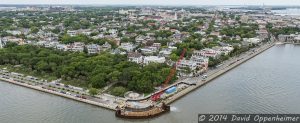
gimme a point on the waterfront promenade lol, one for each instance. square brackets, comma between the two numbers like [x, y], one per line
[39, 88]
[211, 74]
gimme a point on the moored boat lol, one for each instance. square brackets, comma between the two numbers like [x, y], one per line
[142, 113]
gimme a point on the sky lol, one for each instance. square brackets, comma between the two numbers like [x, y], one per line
[156, 2]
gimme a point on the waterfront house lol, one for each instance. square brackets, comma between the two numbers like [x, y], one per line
[154, 59]
[106, 46]
[207, 53]
[135, 57]
[77, 47]
[93, 48]
[127, 46]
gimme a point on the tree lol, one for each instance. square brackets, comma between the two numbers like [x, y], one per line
[174, 57]
[118, 91]
[10, 44]
[93, 91]
[114, 76]
[98, 81]
[34, 30]
[80, 69]
[42, 65]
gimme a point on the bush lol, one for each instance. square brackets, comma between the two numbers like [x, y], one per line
[93, 91]
[118, 91]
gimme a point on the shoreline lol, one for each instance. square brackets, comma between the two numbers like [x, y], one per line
[170, 99]
[217, 74]
[58, 94]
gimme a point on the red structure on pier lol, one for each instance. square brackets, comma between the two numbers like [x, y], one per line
[157, 95]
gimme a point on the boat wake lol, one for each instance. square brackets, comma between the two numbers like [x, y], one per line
[174, 109]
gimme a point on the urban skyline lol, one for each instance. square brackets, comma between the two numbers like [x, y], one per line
[156, 2]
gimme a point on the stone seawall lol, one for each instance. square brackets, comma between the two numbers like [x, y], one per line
[59, 94]
[217, 74]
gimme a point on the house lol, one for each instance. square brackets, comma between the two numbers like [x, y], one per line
[62, 47]
[113, 31]
[2, 43]
[77, 47]
[106, 46]
[71, 32]
[41, 43]
[207, 53]
[117, 51]
[226, 49]
[200, 61]
[140, 38]
[127, 46]
[14, 32]
[166, 52]
[149, 50]
[93, 48]
[187, 64]
[51, 44]
[186, 67]
[289, 38]
[135, 57]
[154, 59]
[252, 40]
[263, 34]
[158, 45]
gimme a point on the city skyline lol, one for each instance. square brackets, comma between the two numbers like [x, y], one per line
[157, 2]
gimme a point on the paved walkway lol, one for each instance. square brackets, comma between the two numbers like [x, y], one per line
[227, 65]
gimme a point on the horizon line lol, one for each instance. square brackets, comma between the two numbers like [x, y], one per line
[147, 4]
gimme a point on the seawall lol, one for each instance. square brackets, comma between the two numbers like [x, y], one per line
[217, 74]
[38, 88]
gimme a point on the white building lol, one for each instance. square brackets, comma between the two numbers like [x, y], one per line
[1, 43]
[106, 46]
[155, 59]
[77, 47]
[93, 48]
[149, 50]
[187, 64]
[62, 47]
[289, 38]
[165, 52]
[200, 61]
[135, 57]
[51, 44]
[226, 49]
[252, 40]
[71, 32]
[127, 46]
[207, 53]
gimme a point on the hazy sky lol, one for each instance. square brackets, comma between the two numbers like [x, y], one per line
[157, 2]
